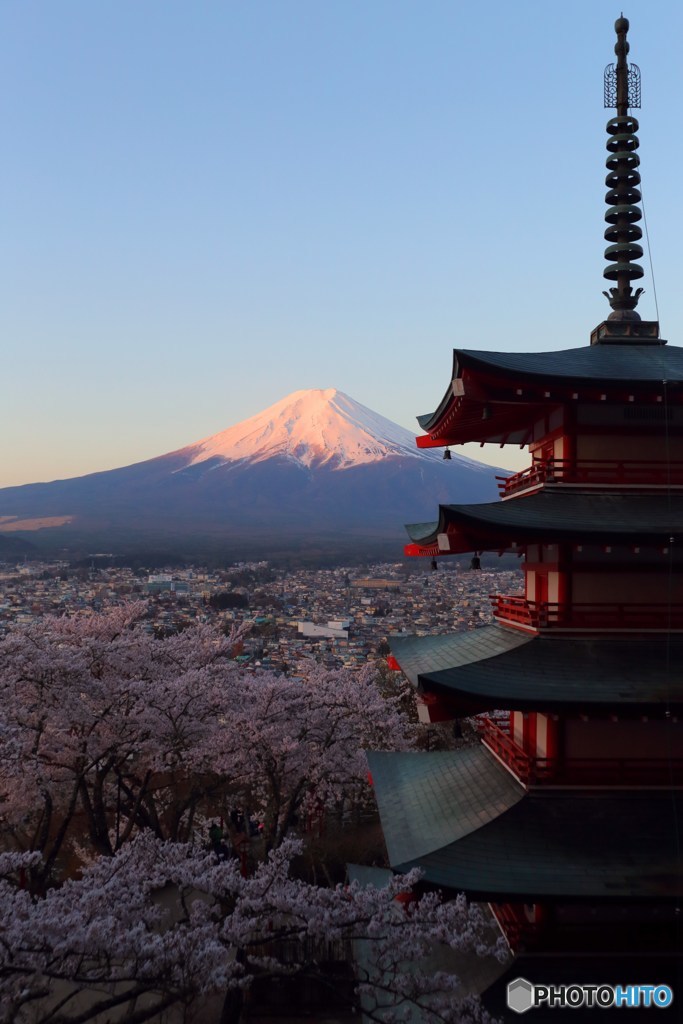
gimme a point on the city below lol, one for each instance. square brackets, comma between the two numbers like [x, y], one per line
[340, 616]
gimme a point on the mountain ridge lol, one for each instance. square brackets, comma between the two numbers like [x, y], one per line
[314, 427]
[317, 463]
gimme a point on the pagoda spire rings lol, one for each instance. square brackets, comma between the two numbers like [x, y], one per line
[622, 90]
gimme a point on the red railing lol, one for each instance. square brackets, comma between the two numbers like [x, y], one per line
[579, 771]
[514, 608]
[607, 472]
[535, 475]
[498, 740]
[553, 615]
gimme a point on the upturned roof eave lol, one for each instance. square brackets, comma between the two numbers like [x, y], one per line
[549, 517]
[466, 702]
[499, 668]
[526, 856]
[481, 423]
[530, 893]
[470, 827]
[455, 418]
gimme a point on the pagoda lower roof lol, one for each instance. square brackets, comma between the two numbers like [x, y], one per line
[550, 517]
[430, 799]
[493, 667]
[494, 841]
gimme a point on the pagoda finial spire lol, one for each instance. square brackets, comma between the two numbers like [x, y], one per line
[622, 90]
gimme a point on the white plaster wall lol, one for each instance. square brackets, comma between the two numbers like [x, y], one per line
[518, 728]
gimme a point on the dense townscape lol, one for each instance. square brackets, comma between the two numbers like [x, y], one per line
[341, 617]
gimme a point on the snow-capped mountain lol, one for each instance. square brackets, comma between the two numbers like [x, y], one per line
[313, 428]
[315, 471]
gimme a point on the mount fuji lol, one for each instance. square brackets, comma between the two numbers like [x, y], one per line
[312, 428]
[316, 470]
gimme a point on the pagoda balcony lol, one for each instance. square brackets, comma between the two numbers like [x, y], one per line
[584, 771]
[517, 611]
[624, 473]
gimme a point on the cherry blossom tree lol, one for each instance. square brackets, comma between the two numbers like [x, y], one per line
[115, 748]
[298, 746]
[110, 730]
[103, 724]
[161, 927]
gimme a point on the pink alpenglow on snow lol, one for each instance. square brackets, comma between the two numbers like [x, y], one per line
[311, 427]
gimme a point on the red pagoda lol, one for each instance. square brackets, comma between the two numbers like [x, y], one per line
[567, 818]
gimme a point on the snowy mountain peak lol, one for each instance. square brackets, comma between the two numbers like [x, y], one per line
[314, 428]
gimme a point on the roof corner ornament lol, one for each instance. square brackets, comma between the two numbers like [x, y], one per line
[622, 90]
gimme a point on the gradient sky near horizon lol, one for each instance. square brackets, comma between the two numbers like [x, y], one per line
[208, 205]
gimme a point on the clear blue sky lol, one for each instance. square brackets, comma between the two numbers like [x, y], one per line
[208, 205]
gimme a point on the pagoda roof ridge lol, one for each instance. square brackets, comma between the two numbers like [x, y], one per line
[629, 363]
[632, 367]
[601, 845]
[438, 796]
[552, 517]
[494, 667]
[418, 654]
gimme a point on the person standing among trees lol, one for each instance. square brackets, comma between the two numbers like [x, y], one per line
[215, 836]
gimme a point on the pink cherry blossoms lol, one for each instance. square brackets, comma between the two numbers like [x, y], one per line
[117, 749]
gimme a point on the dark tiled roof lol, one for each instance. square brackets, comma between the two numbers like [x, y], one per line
[612, 845]
[628, 363]
[562, 844]
[419, 654]
[555, 515]
[427, 800]
[421, 531]
[494, 667]
[633, 366]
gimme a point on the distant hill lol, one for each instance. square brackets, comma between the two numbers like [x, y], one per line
[317, 471]
[13, 549]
